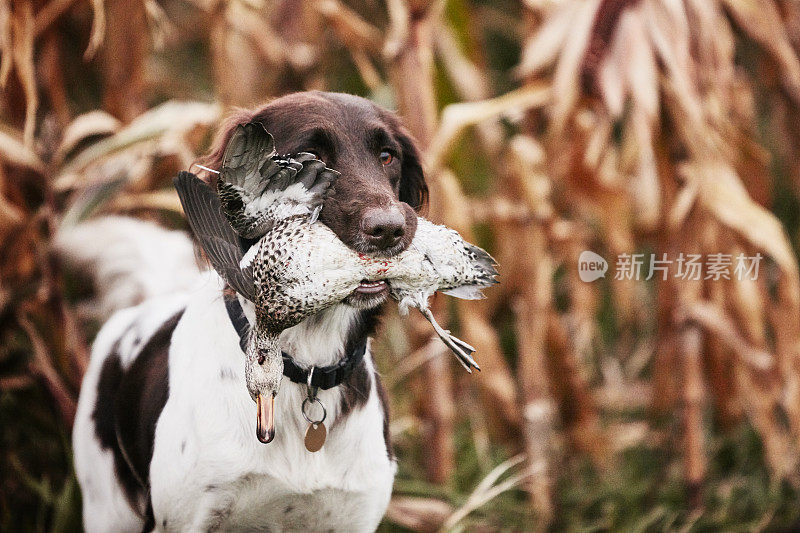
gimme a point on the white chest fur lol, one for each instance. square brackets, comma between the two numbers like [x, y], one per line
[209, 472]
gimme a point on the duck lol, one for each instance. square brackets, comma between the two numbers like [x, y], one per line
[260, 232]
[440, 260]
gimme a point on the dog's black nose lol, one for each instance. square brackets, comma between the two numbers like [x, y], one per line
[384, 228]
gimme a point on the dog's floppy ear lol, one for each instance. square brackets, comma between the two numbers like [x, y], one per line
[413, 189]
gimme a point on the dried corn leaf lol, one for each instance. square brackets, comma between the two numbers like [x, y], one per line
[161, 28]
[668, 32]
[22, 32]
[256, 27]
[721, 192]
[16, 152]
[566, 79]
[418, 514]
[98, 29]
[163, 200]
[169, 119]
[715, 320]
[762, 21]
[639, 68]
[91, 199]
[91, 124]
[457, 117]
[469, 81]
[543, 47]
[6, 55]
[354, 31]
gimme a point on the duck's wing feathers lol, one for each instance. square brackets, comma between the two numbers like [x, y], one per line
[257, 187]
[221, 244]
[247, 152]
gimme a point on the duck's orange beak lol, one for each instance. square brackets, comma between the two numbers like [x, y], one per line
[265, 423]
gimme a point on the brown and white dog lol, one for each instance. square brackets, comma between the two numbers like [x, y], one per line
[164, 436]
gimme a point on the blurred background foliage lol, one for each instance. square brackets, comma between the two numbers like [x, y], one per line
[549, 127]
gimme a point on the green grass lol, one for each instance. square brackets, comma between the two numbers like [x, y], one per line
[643, 490]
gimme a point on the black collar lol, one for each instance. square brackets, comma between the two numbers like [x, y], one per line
[325, 377]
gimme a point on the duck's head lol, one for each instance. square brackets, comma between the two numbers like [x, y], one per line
[263, 373]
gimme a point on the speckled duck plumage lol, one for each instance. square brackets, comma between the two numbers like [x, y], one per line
[298, 266]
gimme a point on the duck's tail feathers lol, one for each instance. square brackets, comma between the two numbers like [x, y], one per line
[484, 262]
[466, 292]
[485, 275]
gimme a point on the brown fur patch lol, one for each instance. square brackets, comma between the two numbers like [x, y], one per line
[128, 405]
[348, 133]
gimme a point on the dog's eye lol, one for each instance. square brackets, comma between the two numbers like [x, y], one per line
[386, 157]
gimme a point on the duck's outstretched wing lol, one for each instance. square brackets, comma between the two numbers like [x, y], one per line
[221, 244]
[256, 187]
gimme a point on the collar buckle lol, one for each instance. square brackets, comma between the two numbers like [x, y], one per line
[311, 390]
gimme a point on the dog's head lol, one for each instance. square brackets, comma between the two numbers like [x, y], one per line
[374, 203]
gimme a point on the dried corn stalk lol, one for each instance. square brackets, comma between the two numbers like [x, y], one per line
[661, 74]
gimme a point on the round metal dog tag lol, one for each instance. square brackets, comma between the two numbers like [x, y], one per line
[315, 436]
